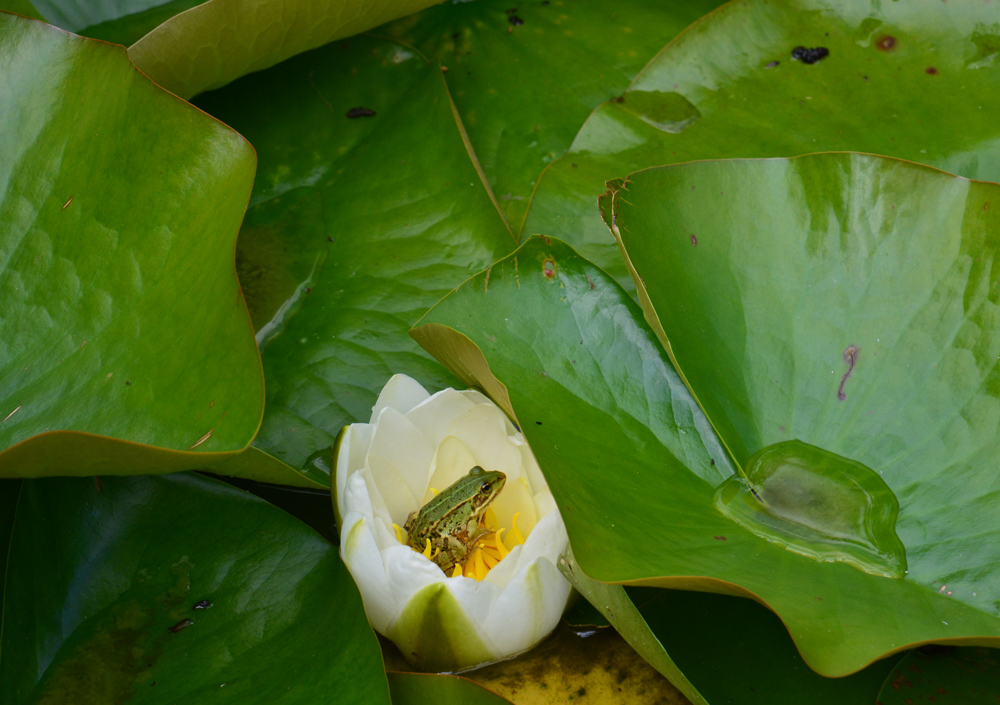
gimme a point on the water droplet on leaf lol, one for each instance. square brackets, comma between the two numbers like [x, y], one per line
[817, 504]
[670, 112]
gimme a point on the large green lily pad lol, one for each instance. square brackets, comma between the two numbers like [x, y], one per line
[610, 421]
[100, 582]
[524, 77]
[220, 40]
[915, 80]
[356, 226]
[124, 341]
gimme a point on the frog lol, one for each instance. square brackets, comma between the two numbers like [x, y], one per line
[453, 520]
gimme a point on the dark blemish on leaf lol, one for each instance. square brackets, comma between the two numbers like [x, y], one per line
[931, 70]
[444, 69]
[809, 56]
[360, 112]
[754, 493]
[720, 538]
[330, 239]
[771, 64]
[510, 30]
[511, 11]
[456, 35]
[986, 206]
[539, 423]
[865, 77]
[183, 624]
[128, 382]
[886, 43]
[851, 358]
[694, 240]
[581, 691]
[203, 605]
[573, 165]
[591, 283]
[545, 2]
[66, 204]
[549, 268]
[619, 99]
[545, 239]
[308, 289]
[486, 284]
[712, 461]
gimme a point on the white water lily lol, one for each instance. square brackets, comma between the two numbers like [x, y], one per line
[385, 469]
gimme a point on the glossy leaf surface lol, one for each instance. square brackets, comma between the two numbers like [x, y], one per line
[120, 209]
[356, 227]
[100, 583]
[914, 80]
[220, 40]
[524, 77]
[593, 391]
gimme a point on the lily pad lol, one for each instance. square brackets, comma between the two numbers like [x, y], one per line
[173, 589]
[358, 223]
[124, 341]
[525, 77]
[220, 40]
[914, 80]
[609, 420]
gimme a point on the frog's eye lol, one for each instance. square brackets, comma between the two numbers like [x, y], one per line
[485, 488]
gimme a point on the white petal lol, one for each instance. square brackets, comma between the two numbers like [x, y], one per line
[363, 559]
[396, 495]
[515, 498]
[529, 607]
[351, 457]
[435, 632]
[530, 465]
[407, 451]
[436, 414]
[407, 571]
[357, 497]
[544, 503]
[451, 462]
[482, 429]
[475, 396]
[401, 393]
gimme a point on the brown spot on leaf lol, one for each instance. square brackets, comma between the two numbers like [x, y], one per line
[886, 43]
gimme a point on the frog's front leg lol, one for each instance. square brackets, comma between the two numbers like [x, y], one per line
[454, 551]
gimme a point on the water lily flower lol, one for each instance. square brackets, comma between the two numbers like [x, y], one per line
[509, 594]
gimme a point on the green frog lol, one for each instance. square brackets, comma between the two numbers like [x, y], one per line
[453, 520]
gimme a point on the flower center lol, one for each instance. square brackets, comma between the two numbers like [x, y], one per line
[488, 551]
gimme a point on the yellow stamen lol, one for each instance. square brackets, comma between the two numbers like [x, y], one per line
[399, 533]
[489, 560]
[436, 492]
[518, 539]
[457, 573]
[427, 551]
[480, 566]
[501, 549]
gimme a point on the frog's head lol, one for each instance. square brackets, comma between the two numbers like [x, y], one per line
[482, 487]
